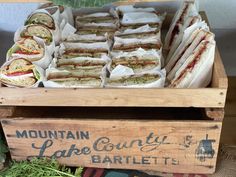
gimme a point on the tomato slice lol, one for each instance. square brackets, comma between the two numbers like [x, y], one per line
[26, 53]
[19, 73]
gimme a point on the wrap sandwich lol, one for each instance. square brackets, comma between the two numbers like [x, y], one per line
[37, 30]
[20, 73]
[41, 18]
[32, 49]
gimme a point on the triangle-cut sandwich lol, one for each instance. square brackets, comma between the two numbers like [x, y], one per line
[186, 49]
[27, 48]
[196, 71]
[20, 73]
[39, 31]
[185, 17]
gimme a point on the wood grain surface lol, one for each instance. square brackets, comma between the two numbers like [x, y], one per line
[167, 146]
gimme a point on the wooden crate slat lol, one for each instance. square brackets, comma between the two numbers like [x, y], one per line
[179, 146]
[209, 97]
[117, 3]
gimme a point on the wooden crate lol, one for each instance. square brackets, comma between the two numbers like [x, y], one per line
[177, 140]
[168, 130]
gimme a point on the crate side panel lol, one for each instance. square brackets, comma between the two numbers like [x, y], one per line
[167, 146]
[212, 98]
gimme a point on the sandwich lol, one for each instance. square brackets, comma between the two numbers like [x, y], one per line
[131, 44]
[85, 64]
[141, 32]
[39, 31]
[198, 64]
[99, 17]
[88, 38]
[81, 48]
[139, 60]
[186, 49]
[27, 48]
[78, 78]
[187, 10]
[41, 18]
[98, 27]
[20, 73]
[133, 80]
[190, 21]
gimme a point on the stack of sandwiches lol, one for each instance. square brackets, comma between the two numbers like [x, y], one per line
[118, 48]
[190, 50]
[32, 51]
[137, 46]
[84, 56]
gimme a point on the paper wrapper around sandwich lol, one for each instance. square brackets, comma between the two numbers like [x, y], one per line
[187, 35]
[38, 68]
[52, 68]
[201, 75]
[17, 37]
[121, 71]
[132, 18]
[140, 53]
[204, 75]
[42, 62]
[57, 32]
[192, 12]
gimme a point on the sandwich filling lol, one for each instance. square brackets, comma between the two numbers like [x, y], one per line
[20, 72]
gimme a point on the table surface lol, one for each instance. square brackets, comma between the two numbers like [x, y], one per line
[229, 125]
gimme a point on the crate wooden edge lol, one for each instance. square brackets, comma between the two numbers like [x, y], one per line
[208, 126]
[116, 3]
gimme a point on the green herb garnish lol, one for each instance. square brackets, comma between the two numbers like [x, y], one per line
[83, 3]
[40, 168]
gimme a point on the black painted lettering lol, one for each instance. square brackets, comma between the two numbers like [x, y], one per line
[70, 135]
[96, 159]
[146, 160]
[139, 143]
[149, 138]
[22, 134]
[84, 135]
[120, 146]
[117, 160]
[135, 161]
[46, 145]
[166, 160]
[43, 134]
[86, 150]
[59, 154]
[62, 134]
[127, 159]
[103, 144]
[155, 160]
[72, 150]
[33, 134]
[175, 162]
[52, 134]
[107, 159]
